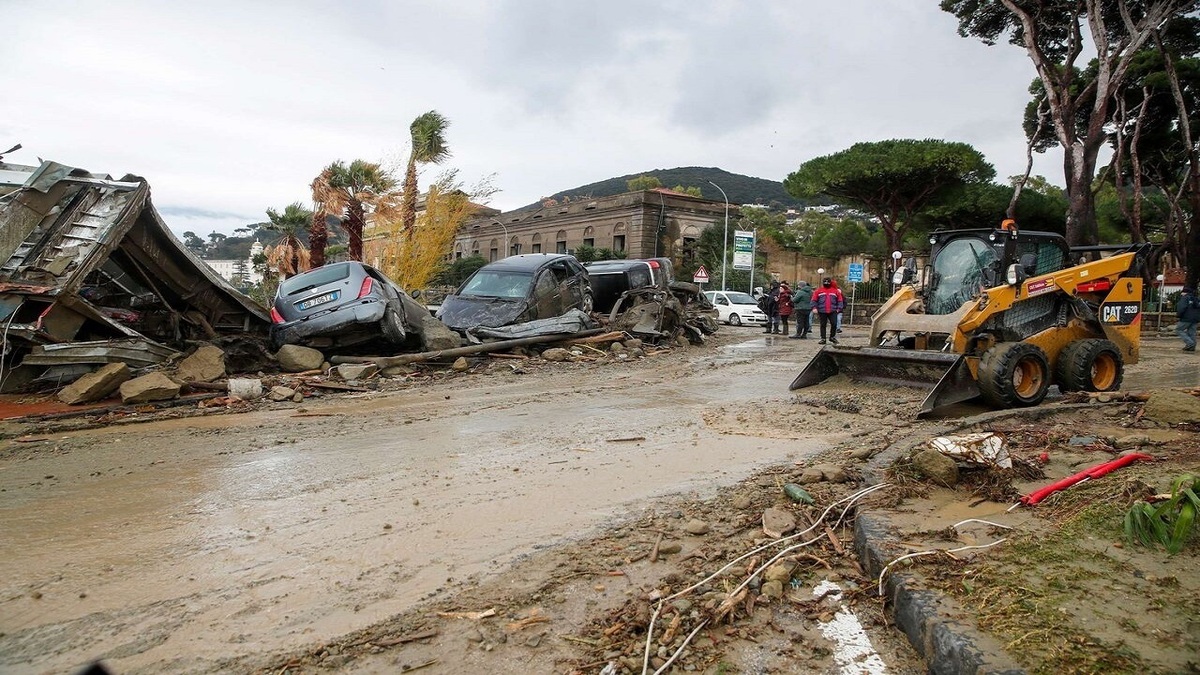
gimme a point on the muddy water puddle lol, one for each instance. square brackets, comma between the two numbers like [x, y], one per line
[203, 539]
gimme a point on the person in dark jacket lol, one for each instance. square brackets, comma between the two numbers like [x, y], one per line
[828, 301]
[769, 304]
[1188, 311]
[802, 302]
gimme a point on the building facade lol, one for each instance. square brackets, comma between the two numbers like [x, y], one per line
[646, 224]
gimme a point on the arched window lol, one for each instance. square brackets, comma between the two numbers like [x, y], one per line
[618, 239]
[589, 236]
[536, 247]
[560, 242]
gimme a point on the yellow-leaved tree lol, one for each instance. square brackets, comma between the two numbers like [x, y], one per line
[413, 257]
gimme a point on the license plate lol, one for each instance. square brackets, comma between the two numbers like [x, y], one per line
[319, 300]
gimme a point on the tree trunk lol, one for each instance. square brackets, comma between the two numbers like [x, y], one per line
[1079, 166]
[318, 237]
[355, 222]
[408, 207]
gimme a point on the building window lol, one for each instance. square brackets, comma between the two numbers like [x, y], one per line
[492, 255]
[689, 249]
[589, 242]
[560, 247]
[619, 242]
[515, 249]
[537, 248]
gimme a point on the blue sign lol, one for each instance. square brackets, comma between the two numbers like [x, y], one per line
[856, 272]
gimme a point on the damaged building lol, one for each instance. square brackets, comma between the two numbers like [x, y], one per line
[91, 274]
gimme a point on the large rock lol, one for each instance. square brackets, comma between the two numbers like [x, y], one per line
[1172, 407]
[147, 388]
[96, 385]
[436, 336]
[204, 365]
[777, 522]
[356, 371]
[296, 359]
[556, 354]
[936, 467]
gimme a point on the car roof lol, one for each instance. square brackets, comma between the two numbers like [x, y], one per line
[527, 262]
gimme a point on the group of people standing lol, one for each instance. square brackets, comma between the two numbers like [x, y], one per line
[826, 301]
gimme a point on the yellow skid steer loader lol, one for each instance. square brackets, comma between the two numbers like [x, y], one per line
[1000, 314]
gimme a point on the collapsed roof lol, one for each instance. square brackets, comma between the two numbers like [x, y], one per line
[87, 258]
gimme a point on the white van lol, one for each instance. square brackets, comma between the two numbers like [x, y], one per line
[736, 308]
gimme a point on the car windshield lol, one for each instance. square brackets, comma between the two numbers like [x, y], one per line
[498, 284]
[740, 298]
[313, 279]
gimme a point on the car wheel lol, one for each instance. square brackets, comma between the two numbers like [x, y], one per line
[392, 326]
[587, 303]
[735, 320]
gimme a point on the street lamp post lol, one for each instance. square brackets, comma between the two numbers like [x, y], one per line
[725, 246]
[507, 244]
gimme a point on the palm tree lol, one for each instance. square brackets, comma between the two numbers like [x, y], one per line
[428, 147]
[354, 191]
[318, 232]
[288, 256]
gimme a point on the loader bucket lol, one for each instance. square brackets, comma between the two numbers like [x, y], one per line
[947, 374]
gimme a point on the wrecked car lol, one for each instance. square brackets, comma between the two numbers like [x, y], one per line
[611, 278]
[518, 289]
[341, 305]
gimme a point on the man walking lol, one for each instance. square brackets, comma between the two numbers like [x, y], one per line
[1188, 311]
[769, 304]
[829, 301]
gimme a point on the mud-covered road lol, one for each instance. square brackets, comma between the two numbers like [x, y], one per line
[180, 545]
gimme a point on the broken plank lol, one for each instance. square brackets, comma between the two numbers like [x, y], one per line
[411, 637]
[336, 387]
[628, 439]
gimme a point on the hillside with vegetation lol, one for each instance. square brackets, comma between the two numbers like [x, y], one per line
[740, 189]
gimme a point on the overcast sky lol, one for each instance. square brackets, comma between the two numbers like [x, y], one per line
[228, 108]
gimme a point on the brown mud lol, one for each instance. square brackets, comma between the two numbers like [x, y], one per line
[267, 541]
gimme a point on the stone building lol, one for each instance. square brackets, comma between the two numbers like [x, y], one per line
[645, 224]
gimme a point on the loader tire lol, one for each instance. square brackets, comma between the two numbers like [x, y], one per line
[1014, 375]
[1090, 365]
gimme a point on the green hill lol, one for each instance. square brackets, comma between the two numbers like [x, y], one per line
[740, 189]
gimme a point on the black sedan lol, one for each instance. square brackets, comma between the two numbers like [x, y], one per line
[340, 305]
[517, 289]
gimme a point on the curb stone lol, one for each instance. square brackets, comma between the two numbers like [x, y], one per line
[948, 645]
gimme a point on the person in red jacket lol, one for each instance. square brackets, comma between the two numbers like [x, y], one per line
[785, 305]
[828, 301]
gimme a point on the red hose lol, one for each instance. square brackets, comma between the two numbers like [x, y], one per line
[1094, 472]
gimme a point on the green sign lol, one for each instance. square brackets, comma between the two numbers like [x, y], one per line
[743, 250]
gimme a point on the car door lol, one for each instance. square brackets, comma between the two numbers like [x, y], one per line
[570, 294]
[547, 295]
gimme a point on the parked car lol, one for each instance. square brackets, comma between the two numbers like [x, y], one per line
[736, 308]
[517, 289]
[340, 305]
[611, 278]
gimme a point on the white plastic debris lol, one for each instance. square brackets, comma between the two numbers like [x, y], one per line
[985, 449]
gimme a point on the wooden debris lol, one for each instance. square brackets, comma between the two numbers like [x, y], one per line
[628, 439]
[654, 551]
[535, 617]
[411, 637]
[469, 615]
[336, 387]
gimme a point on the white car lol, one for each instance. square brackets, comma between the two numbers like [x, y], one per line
[736, 308]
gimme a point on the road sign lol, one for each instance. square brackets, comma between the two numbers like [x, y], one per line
[856, 273]
[701, 276]
[743, 250]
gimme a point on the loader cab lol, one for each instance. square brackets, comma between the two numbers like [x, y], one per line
[962, 263]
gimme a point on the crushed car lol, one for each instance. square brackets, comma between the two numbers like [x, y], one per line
[342, 305]
[518, 289]
[611, 278]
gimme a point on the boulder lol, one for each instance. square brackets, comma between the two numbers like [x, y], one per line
[281, 393]
[1131, 441]
[811, 475]
[616, 348]
[204, 365]
[95, 385]
[833, 473]
[296, 359]
[633, 343]
[777, 522]
[936, 467]
[556, 354]
[1172, 407]
[780, 571]
[697, 527]
[460, 365]
[356, 371]
[436, 336]
[147, 388]
[773, 589]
